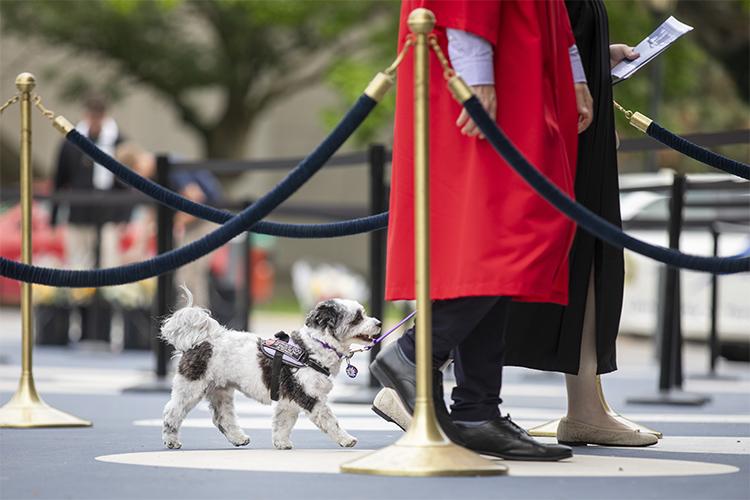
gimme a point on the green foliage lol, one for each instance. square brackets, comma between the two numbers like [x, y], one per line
[350, 75]
[256, 52]
[252, 52]
[697, 93]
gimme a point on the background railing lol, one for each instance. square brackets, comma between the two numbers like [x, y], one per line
[376, 158]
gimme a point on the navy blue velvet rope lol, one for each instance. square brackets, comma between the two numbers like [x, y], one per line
[173, 200]
[234, 226]
[591, 222]
[697, 152]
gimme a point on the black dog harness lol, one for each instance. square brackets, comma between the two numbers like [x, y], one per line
[284, 352]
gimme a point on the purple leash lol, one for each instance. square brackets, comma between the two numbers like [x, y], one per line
[380, 339]
[351, 370]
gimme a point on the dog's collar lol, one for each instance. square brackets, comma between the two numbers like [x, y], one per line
[351, 370]
[329, 347]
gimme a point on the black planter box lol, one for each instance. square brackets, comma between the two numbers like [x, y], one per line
[96, 320]
[51, 323]
[136, 325]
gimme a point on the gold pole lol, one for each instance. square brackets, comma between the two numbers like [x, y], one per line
[26, 408]
[550, 428]
[424, 450]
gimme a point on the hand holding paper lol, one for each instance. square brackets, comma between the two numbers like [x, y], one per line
[653, 45]
[618, 52]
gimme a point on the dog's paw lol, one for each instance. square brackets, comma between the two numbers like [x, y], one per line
[242, 441]
[283, 444]
[347, 441]
[172, 443]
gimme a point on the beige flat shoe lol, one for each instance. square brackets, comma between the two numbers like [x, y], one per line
[388, 406]
[575, 433]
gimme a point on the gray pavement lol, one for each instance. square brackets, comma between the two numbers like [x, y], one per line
[704, 453]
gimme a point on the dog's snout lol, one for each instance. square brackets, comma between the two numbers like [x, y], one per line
[378, 323]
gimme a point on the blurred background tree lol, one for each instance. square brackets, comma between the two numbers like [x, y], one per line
[252, 53]
[700, 84]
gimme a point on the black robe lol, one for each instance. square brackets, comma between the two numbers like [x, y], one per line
[548, 336]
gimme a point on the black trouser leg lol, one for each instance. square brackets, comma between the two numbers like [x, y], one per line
[478, 365]
[452, 321]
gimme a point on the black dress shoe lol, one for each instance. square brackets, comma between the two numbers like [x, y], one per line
[503, 438]
[394, 370]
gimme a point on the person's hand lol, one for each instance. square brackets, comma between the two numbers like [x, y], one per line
[585, 105]
[486, 95]
[620, 51]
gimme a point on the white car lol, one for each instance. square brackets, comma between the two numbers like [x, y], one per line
[645, 215]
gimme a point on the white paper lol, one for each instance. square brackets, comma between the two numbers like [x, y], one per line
[653, 45]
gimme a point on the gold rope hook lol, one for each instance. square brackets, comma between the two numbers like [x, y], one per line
[9, 102]
[391, 70]
[384, 80]
[448, 71]
[458, 87]
[636, 119]
[48, 113]
[59, 122]
[627, 112]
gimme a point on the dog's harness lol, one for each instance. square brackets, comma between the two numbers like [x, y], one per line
[284, 352]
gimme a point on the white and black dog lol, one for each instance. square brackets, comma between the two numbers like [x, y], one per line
[215, 361]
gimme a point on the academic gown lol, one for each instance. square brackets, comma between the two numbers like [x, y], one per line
[491, 234]
[548, 336]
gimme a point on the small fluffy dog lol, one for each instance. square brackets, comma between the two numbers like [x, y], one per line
[215, 361]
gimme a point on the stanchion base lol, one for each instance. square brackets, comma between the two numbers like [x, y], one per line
[673, 397]
[29, 414]
[422, 461]
[712, 376]
[157, 384]
[550, 428]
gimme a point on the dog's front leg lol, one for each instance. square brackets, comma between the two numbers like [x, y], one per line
[185, 395]
[221, 402]
[323, 417]
[284, 417]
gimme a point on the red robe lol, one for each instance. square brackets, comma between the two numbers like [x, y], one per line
[491, 234]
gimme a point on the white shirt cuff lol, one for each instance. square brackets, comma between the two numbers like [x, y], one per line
[472, 57]
[579, 76]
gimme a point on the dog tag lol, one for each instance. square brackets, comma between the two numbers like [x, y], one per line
[351, 370]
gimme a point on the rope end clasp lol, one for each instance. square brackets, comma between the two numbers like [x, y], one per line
[636, 119]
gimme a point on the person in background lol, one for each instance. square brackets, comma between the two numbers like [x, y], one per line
[77, 172]
[579, 339]
[200, 186]
[93, 232]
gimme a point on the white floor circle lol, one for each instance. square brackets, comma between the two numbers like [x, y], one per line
[328, 462]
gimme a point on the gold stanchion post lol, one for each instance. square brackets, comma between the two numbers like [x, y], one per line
[424, 450]
[549, 429]
[26, 408]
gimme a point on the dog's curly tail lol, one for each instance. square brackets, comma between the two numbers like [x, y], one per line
[189, 326]
[188, 295]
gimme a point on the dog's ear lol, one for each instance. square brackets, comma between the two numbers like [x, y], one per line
[326, 315]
